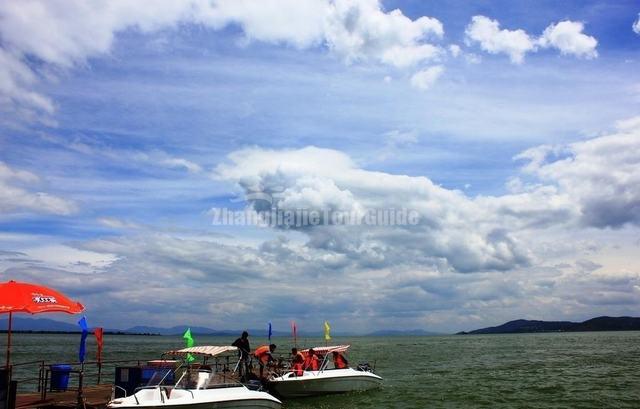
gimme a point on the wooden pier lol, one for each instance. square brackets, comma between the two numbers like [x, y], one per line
[94, 397]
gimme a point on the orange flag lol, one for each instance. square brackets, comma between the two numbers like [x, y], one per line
[98, 333]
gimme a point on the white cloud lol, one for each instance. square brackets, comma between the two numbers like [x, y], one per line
[636, 25]
[295, 22]
[487, 33]
[601, 175]
[455, 50]
[425, 79]
[70, 258]
[472, 58]
[454, 232]
[407, 56]
[593, 183]
[90, 145]
[404, 274]
[361, 30]
[182, 163]
[567, 36]
[401, 138]
[116, 223]
[65, 34]
[629, 124]
[16, 97]
[16, 197]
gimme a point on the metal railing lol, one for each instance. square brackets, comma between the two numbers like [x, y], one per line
[91, 371]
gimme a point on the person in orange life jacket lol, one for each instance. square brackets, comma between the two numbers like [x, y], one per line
[297, 362]
[312, 363]
[339, 361]
[263, 354]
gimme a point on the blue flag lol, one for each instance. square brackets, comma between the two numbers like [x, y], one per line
[270, 333]
[83, 338]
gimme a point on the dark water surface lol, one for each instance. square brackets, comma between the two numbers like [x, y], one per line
[563, 370]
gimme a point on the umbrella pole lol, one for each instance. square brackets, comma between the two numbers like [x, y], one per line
[9, 341]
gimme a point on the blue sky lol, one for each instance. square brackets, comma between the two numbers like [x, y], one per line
[511, 127]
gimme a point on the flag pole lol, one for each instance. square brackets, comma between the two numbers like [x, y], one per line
[9, 340]
[294, 331]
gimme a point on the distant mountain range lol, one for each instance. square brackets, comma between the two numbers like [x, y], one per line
[179, 330]
[41, 325]
[48, 325]
[21, 324]
[594, 324]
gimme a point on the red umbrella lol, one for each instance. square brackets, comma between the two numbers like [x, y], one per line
[34, 299]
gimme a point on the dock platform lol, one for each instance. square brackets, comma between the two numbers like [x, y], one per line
[95, 397]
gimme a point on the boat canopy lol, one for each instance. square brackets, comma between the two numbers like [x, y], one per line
[205, 350]
[328, 349]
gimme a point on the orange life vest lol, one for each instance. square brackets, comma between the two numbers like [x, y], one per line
[339, 361]
[262, 353]
[312, 363]
[298, 362]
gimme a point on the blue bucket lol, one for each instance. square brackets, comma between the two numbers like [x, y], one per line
[60, 377]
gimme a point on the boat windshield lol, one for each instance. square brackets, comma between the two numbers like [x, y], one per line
[206, 377]
[218, 367]
[161, 376]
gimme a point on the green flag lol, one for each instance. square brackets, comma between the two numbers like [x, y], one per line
[189, 342]
[188, 338]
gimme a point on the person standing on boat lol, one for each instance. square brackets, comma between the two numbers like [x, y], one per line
[297, 362]
[244, 350]
[264, 355]
[312, 363]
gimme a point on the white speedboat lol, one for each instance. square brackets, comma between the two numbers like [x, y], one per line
[330, 378]
[201, 386]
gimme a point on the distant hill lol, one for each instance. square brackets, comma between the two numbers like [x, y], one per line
[38, 324]
[594, 324]
[180, 329]
[177, 330]
[20, 324]
[609, 324]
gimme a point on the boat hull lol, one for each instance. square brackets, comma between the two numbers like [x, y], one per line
[237, 397]
[244, 404]
[323, 383]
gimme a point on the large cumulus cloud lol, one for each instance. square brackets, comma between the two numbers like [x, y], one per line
[591, 183]
[453, 231]
[601, 176]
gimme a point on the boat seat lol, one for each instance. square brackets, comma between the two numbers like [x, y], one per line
[148, 395]
[203, 380]
[179, 393]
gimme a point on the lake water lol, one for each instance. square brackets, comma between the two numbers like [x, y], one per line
[581, 370]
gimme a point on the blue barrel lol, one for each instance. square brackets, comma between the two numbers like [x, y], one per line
[60, 377]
